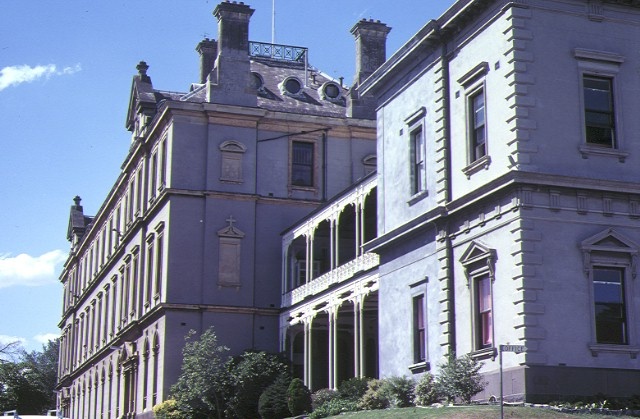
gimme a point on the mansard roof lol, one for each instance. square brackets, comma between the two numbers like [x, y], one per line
[271, 94]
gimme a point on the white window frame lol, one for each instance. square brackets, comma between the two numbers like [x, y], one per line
[474, 83]
[478, 262]
[605, 65]
[610, 249]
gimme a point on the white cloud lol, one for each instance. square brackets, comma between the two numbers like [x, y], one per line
[5, 340]
[18, 74]
[30, 271]
[45, 337]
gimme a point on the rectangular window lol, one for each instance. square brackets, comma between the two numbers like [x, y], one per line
[484, 312]
[419, 330]
[418, 169]
[153, 175]
[609, 300]
[159, 265]
[478, 126]
[598, 111]
[302, 164]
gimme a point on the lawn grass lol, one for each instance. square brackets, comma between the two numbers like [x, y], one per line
[466, 412]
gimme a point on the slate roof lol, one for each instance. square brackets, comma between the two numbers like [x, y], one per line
[310, 101]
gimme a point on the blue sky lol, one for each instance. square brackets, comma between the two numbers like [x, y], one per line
[65, 78]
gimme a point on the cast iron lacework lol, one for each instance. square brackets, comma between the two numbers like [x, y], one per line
[277, 52]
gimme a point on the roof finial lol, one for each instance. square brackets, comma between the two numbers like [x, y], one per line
[142, 68]
[77, 200]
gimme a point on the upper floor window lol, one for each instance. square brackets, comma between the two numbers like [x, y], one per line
[599, 114]
[600, 104]
[418, 161]
[475, 96]
[302, 163]
[478, 126]
[231, 153]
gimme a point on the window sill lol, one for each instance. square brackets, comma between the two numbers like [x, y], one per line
[586, 150]
[303, 187]
[231, 181]
[597, 348]
[482, 163]
[420, 367]
[418, 197]
[485, 353]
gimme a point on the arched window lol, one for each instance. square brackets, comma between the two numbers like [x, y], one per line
[231, 154]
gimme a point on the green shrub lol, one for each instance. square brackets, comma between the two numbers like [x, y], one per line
[353, 388]
[168, 409]
[251, 374]
[399, 391]
[460, 378]
[272, 403]
[375, 397]
[333, 407]
[322, 396]
[426, 391]
[298, 397]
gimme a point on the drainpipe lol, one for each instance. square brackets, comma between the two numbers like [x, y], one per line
[324, 166]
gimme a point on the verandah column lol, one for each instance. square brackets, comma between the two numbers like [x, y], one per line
[331, 324]
[361, 334]
[308, 353]
[357, 303]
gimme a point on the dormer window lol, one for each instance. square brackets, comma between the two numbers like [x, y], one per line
[256, 81]
[291, 86]
[331, 91]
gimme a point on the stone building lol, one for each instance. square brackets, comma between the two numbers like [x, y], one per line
[190, 234]
[507, 210]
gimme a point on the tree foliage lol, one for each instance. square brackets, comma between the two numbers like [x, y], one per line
[460, 378]
[28, 382]
[203, 383]
[273, 401]
[298, 397]
[251, 373]
[426, 390]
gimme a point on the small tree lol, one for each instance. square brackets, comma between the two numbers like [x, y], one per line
[375, 397]
[168, 409]
[251, 374]
[273, 401]
[353, 388]
[460, 378]
[203, 383]
[426, 390]
[298, 398]
[399, 391]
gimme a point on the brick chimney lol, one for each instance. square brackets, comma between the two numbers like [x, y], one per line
[371, 53]
[371, 47]
[230, 80]
[208, 49]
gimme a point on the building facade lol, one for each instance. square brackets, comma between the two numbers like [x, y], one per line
[507, 210]
[508, 196]
[189, 236]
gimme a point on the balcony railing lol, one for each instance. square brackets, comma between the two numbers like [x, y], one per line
[336, 276]
[278, 52]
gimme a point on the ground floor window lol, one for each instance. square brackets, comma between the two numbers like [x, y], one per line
[609, 302]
